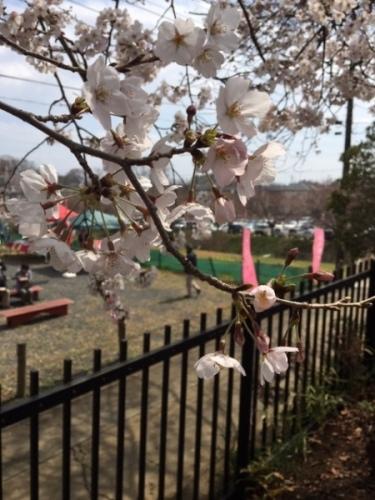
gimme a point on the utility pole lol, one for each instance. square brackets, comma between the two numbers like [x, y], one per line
[348, 136]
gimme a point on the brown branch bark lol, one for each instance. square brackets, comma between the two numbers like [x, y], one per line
[29, 53]
[251, 30]
[126, 164]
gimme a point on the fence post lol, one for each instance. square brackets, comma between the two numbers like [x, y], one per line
[21, 370]
[121, 331]
[245, 413]
[213, 270]
[258, 270]
[370, 323]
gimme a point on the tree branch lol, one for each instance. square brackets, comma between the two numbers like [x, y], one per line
[57, 118]
[126, 164]
[333, 306]
[29, 53]
[251, 30]
[81, 148]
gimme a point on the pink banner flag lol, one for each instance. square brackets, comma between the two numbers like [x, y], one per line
[318, 248]
[248, 269]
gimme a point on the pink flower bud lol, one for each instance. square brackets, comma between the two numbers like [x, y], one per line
[300, 356]
[291, 255]
[239, 336]
[262, 342]
[323, 276]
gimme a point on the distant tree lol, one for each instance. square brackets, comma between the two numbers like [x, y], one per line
[353, 204]
[72, 178]
[10, 168]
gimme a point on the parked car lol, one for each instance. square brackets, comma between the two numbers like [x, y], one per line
[261, 228]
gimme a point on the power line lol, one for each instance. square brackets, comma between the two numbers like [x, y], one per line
[140, 7]
[74, 2]
[30, 101]
[39, 82]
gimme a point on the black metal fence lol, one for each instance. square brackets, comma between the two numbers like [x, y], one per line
[148, 428]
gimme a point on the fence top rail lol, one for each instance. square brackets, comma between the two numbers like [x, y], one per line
[15, 411]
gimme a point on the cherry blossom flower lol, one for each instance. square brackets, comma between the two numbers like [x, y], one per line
[208, 61]
[139, 126]
[157, 174]
[40, 186]
[209, 365]
[179, 42]
[224, 210]
[109, 263]
[131, 87]
[221, 22]
[227, 158]
[121, 145]
[30, 216]
[102, 92]
[274, 361]
[264, 297]
[236, 104]
[62, 257]
[138, 243]
[259, 170]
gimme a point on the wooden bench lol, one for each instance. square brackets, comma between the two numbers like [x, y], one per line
[34, 290]
[20, 315]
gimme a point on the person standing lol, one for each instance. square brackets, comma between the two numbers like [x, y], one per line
[4, 292]
[190, 282]
[23, 283]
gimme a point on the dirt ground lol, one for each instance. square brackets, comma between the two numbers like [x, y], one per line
[89, 326]
[341, 461]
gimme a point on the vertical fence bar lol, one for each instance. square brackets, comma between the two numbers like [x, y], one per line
[182, 416]
[228, 420]
[198, 420]
[296, 394]
[370, 324]
[143, 423]
[330, 335]
[121, 332]
[365, 284]
[254, 407]
[164, 417]
[266, 395]
[307, 352]
[323, 341]
[21, 370]
[277, 383]
[286, 390]
[66, 433]
[1, 454]
[357, 298]
[315, 344]
[219, 315]
[336, 354]
[246, 391]
[215, 407]
[121, 401]
[34, 440]
[95, 430]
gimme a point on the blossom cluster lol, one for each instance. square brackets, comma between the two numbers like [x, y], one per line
[117, 59]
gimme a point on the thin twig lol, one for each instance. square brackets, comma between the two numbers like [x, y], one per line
[251, 30]
[333, 306]
[57, 118]
[35, 55]
[77, 149]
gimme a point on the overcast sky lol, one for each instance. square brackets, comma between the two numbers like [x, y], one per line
[16, 139]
